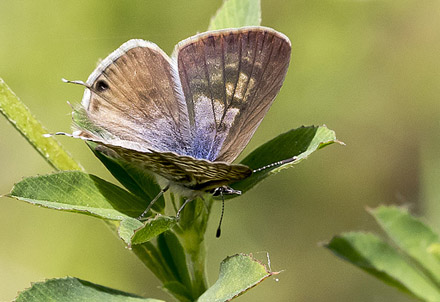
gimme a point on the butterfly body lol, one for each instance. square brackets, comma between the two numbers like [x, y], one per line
[185, 119]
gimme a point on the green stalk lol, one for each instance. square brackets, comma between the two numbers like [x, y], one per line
[191, 232]
[33, 131]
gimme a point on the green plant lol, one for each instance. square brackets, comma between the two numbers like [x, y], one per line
[410, 263]
[173, 250]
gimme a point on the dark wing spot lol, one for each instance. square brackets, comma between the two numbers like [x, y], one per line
[211, 127]
[95, 107]
[222, 128]
[143, 96]
[153, 93]
[101, 85]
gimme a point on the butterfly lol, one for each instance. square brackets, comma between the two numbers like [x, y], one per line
[185, 119]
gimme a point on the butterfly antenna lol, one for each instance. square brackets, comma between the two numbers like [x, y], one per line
[278, 163]
[219, 231]
[153, 201]
[76, 82]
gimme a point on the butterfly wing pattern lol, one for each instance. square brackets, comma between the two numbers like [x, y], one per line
[186, 118]
[230, 79]
[135, 98]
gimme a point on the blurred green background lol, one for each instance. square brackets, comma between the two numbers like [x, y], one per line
[369, 70]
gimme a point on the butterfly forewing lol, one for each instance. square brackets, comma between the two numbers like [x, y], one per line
[229, 79]
[134, 96]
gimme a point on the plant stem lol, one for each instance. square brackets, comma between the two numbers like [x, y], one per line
[33, 131]
[196, 263]
[191, 232]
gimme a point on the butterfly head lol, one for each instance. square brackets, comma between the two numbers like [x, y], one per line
[224, 190]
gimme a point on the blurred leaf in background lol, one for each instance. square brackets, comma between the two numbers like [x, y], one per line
[409, 262]
[366, 69]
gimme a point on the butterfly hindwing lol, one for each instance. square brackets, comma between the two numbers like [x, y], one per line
[195, 174]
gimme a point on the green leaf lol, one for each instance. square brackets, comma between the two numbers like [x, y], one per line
[32, 130]
[411, 235]
[132, 231]
[174, 254]
[238, 273]
[178, 290]
[127, 228]
[72, 289]
[79, 192]
[153, 227]
[152, 258]
[434, 249]
[237, 13]
[135, 179]
[379, 259]
[299, 143]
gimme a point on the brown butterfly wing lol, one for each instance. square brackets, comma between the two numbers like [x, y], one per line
[194, 174]
[134, 105]
[230, 79]
[134, 96]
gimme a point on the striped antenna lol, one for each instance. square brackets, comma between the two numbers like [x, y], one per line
[278, 163]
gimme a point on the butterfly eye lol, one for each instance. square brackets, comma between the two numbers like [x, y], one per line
[217, 191]
[101, 85]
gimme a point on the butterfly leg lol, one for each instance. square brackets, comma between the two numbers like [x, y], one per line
[183, 205]
[153, 201]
